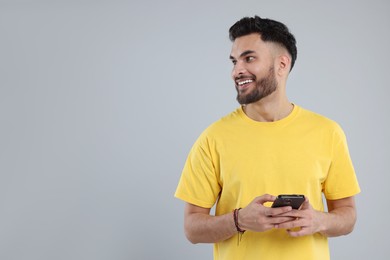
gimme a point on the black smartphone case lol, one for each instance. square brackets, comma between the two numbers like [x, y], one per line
[293, 200]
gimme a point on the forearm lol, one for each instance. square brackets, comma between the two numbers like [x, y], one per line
[204, 228]
[338, 222]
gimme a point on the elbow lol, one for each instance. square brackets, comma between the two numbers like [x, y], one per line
[348, 231]
[190, 235]
[191, 239]
[352, 225]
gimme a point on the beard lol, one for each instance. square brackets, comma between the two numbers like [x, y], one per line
[264, 87]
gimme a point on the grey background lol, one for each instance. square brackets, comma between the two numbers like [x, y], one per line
[100, 102]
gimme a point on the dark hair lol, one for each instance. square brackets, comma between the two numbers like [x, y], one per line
[269, 30]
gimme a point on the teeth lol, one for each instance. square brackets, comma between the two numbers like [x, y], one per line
[245, 82]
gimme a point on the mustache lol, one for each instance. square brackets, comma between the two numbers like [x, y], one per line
[245, 77]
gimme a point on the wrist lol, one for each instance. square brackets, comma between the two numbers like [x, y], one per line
[322, 221]
[236, 214]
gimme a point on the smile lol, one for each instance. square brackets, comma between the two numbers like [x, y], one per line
[240, 83]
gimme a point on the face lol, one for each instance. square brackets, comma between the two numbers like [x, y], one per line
[253, 72]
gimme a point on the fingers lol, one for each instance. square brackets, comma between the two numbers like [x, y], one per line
[277, 211]
[301, 223]
[277, 221]
[265, 198]
[257, 217]
[293, 223]
[292, 213]
[299, 230]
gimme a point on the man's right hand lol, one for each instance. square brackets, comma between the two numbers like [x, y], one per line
[259, 218]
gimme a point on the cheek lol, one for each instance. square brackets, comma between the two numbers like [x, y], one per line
[233, 74]
[258, 71]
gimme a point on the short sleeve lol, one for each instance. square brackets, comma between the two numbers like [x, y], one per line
[341, 181]
[199, 184]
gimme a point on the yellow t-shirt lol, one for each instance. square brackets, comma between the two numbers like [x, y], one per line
[237, 159]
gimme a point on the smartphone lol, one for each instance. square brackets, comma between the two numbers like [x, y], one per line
[293, 200]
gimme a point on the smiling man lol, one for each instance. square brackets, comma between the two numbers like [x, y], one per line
[266, 147]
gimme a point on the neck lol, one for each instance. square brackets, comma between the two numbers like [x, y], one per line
[268, 109]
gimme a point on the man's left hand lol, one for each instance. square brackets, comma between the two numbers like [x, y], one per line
[306, 219]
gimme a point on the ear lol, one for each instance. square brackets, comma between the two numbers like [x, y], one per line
[284, 64]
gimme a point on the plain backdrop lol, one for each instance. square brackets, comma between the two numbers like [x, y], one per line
[100, 102]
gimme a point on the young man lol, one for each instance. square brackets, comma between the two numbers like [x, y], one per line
[268, 146]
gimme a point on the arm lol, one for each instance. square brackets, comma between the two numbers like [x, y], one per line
[339, 220]
[201, 227]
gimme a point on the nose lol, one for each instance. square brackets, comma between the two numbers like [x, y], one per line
[238, 69]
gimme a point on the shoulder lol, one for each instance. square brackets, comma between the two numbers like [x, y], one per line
[226, 121]
[318, 119]
[221, 127]
[321, 124]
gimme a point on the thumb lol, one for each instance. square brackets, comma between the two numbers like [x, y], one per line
[306, 204]
[265, 198]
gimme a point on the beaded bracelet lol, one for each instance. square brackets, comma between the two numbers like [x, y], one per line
[235, 217]
[239, 230]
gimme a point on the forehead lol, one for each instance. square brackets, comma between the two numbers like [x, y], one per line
[250, 42]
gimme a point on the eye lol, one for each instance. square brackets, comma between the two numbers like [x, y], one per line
[234, 62]
[249, 58]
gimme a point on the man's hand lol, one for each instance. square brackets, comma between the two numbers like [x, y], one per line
[259, 218]
[340, 219]
[308, 220]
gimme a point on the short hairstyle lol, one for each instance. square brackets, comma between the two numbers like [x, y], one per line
[269, 30]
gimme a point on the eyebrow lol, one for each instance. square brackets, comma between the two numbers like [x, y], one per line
[242, 54]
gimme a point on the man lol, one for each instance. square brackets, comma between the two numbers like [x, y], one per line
[268, 146]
